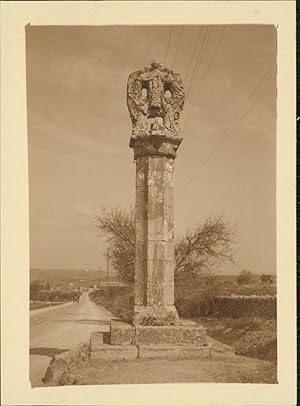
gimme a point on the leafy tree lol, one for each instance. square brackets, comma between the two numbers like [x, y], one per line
[197, 254]
[245, 277]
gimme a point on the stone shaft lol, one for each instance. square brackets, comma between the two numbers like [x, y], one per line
[154, 227]
[155, 263]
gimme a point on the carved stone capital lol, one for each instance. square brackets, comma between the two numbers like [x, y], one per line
[155, 145]
[155, 99]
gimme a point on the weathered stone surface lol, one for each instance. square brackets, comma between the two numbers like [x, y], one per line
[96, 339]
[171, 335]
[158, 144]
[155, 112]
[161, 251]
[121, 333]
[173, 351]
[168, 292]
[114, 352]
[154, 315]
[141, 231]
[140, 292]
[154, 265]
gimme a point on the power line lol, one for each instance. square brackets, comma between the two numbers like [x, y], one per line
[235, 122]
[213, 56]
[195, 72]
[243, 113]
[194, 52]
[207, 70]
[228, 132]
[178, 42]
[168, 44]
[205, 39]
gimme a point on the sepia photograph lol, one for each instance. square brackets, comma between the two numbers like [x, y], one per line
[148, 186]
[152, 190]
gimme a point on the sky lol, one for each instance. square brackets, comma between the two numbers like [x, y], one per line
[79, 130]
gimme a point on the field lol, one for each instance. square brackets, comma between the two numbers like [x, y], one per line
[226, 285]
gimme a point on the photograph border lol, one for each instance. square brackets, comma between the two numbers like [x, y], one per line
[16, 388]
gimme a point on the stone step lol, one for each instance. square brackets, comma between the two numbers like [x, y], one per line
[173, 351]
[99, 338]
[171, 335]
[108, 352]
[121, 333]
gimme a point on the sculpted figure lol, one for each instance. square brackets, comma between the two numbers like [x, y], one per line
[156, 111]
[137, 106]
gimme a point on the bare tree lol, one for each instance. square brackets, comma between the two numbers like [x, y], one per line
[198, 254]
[202, 250]
[118, 227]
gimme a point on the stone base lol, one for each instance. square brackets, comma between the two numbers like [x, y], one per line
[127, 342]
[180, 335]
[155, 316]
[127, 352]
[126, 334]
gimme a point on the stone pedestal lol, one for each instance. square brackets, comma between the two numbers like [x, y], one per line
[185, 341]
[154, 221]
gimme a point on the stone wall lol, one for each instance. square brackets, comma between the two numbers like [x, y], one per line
[229, 306]
[119, 300]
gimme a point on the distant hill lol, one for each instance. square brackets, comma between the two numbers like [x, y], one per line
[67, 275]
[87, 278]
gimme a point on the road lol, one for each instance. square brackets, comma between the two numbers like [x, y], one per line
[57, 329]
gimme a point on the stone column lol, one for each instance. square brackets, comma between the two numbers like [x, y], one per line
[154, 220]
[155, 139]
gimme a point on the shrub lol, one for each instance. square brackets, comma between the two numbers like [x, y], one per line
[244, 277]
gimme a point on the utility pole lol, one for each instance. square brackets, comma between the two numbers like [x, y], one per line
[99, 276]
[107, 265]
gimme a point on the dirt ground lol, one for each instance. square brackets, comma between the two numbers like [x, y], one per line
[238, 370]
